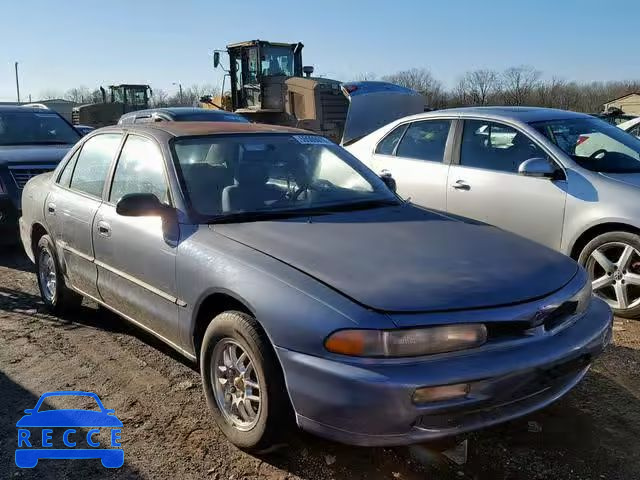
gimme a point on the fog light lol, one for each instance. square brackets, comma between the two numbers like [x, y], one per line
[440, 393]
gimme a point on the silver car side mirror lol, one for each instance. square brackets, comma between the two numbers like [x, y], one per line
[537, 167]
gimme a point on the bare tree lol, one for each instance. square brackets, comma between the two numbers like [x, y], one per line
[50, 94]
[518, 83]
[476, 86]
[160, 98]
[78, 95]
[421, 80]
[364, 76]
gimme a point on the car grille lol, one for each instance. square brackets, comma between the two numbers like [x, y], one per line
[22, 173]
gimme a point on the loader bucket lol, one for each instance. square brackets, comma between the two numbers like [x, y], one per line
[374, 104]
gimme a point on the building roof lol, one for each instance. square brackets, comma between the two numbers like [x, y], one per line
[20, 108]
[624, 96]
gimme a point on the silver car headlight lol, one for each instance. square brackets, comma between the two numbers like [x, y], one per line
[406, 343]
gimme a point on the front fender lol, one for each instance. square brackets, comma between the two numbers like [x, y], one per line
[296, 311]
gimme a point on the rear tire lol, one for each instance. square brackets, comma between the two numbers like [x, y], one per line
[57, 297]
[232, 335]
[612, 260]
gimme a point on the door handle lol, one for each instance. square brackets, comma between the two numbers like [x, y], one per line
[104, 229]
[461, 185]
[51, 208]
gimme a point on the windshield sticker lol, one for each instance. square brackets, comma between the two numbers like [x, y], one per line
[312, 140]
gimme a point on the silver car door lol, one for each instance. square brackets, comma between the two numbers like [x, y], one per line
[484, 183]
[72, 205]
[415, 155]
[136, 256]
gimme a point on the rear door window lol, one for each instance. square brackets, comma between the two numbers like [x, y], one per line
[93, 163]
[388, 144]
[425, 140]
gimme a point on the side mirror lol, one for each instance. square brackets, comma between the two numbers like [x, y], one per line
[216, 59]
[537, 167]
[389, 181]
[141, 205]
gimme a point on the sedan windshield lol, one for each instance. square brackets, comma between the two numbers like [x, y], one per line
[594, 144]
[267, 174]
[35, 128]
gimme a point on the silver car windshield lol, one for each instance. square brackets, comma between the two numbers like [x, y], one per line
[594, 144]
[268, 173]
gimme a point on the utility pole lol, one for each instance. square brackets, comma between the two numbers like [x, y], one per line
[180, 87]
[17, 83]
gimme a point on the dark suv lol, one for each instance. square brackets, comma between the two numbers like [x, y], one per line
[32, 141]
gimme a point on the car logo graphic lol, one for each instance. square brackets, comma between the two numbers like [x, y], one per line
[33, 446]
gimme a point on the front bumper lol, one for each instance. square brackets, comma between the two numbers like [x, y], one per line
[8, 221]
[369, 403]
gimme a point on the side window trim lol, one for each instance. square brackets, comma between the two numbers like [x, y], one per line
[72, 158]
[88, 195]
[404, 127]
[112, 170]
[457, 149]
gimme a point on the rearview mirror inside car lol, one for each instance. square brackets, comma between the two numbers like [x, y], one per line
[538, 167]
[141, 205]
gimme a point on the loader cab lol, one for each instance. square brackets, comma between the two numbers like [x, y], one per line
[256, 66]
[133, 97]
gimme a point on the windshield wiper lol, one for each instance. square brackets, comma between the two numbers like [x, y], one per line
[362, 205]
[254, 216]
[241, 217]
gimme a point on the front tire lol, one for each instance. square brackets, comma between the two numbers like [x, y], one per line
[612, 260]
[57, 297]
[242, 382]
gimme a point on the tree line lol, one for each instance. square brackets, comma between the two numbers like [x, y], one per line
[190, 95]
[521, 85]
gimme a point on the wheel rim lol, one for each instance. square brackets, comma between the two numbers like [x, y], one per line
[614, 268]
[236, 384]
[47, 275]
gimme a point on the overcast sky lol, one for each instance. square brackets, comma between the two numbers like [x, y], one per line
[64, 44]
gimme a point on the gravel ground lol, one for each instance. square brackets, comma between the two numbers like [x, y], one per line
[592, 433]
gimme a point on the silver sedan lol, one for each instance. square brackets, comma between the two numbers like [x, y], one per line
[564, 179]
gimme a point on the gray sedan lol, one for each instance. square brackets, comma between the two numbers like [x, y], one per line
[564, 179]
[306, 289]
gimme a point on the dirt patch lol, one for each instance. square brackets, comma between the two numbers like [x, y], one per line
[168, 433]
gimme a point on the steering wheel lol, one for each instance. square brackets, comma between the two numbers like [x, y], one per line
[304, 188]
[597, 153]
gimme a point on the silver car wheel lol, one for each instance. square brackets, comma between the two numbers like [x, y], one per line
[236, 384]
[614, 268]
[47, 275]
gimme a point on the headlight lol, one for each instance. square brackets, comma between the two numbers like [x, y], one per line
[582, 299]
[406, 343]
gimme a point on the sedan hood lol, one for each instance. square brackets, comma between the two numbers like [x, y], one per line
[406, 259]
[26, 154]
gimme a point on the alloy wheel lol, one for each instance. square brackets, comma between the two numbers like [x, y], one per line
[236, 384]
[47, 275]
[614, 268]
